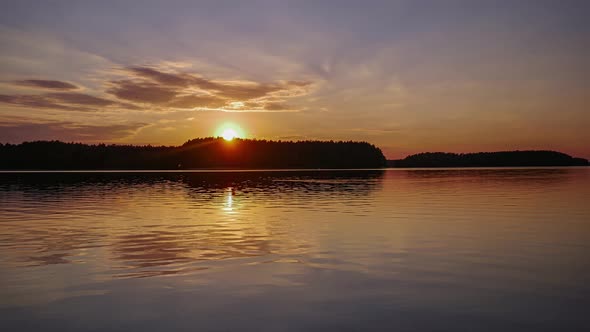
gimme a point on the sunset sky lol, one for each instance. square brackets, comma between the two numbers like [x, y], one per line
[408, 76]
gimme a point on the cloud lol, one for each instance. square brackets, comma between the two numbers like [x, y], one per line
[161, 77]
[188, 80]
[69, 101]
[142, 92]
[67, 131]
[194, 101]
[149, 85]
[246, 90]
[143, 87]
[46, 84]
[79, 99]
[32, 101]
[276, 106]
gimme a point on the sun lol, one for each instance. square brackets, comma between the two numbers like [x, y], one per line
[229, 134]
[230, 131]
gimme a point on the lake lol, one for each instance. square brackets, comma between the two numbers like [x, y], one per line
[350, 250]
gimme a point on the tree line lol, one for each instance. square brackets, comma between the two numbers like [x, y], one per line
[489, 159]
[197, 153]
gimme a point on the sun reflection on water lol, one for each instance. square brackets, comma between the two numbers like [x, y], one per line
[228, 205]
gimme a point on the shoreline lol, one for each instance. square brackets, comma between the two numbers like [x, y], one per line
[242, 170]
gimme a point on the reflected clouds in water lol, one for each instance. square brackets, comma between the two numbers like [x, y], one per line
[165, 223]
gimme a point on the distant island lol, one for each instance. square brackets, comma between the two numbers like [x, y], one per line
[201, 153]
[489, 159]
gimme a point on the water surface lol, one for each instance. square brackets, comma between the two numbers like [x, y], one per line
[404, 250]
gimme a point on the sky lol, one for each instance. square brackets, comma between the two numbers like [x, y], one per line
[407, 76]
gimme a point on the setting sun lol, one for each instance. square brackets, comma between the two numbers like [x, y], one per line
[229, 130]
[341, 165]
[229, 134]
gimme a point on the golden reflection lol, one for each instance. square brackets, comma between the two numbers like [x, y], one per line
[198, 218]
[228, 205]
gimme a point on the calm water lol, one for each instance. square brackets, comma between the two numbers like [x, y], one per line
[403, 250]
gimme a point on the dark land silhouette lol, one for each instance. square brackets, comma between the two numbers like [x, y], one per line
[217, 153]
[488, 159]
[197, 153]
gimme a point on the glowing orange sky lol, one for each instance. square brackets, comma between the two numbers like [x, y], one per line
[407, 76]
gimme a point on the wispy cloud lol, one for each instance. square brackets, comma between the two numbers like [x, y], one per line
[149, 88]
[46, 84]
[149, 85]
[66, 101]
[194, 101]
[142, 92]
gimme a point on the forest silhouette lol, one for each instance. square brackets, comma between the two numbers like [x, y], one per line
[489, 159]
[217, 153]
[196, 153]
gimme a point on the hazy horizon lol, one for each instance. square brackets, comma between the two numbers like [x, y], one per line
[406, 76]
